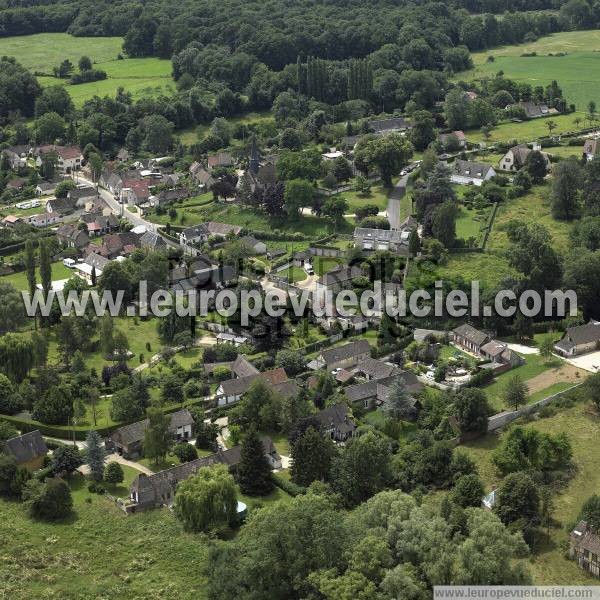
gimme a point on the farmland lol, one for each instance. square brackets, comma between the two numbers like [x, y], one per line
[42, 52]
[578, 72]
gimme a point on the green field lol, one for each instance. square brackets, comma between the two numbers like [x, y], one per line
[548, 564]
[377, 196]
[19, 280]
[578, 73]
[469, 223]
[41, 52]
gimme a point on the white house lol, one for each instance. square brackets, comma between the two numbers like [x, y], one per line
[466, 172]
[515, 158]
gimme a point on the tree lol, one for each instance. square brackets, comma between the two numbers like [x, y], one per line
[341, 169]
[125, 406]
[414, 243]
[85, 63]
[65, 459]
[423, 131]
[535, 165]
[64, 187]
[468, 491]
[10, 403]
[399, 404]
[49, 127]
[172, 389]
[456, 108]
[311, 457]
[471, 409]
[517, 499]
[515, 392]
[335, 208]
[551, 125]
[45, 267]
[444, 223]
[388, 153]
[113, 473]
[157, 437]
[298, 194]
[56, 99]
[116, 279]
[56, 407]
[254, 471]
[566, 183]
[292, 361]
[207, 501]
[50, 500]
[30, 266]
[590, 511]
[206, 436]
[12, 311]
[94, 454]
[546, 347]
[185, 452]
[362, 469]
[12, 478]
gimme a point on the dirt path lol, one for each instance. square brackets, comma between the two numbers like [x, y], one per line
[564, 373]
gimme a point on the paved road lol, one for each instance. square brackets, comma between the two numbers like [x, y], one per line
[122, 211]
[393, 208]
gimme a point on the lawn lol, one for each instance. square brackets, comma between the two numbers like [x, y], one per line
[489, 269]
[578, 73]
[526, 131]
[19, 280]
[323, 265]
[146, 555]
[470, 223]
[194, 134]
[377, 196]
[529, 209]
[309, 225]
[121, 490]
[534, 365]
[293, 274]
[548, 564]
[41, 52]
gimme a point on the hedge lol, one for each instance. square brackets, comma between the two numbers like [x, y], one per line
[288, 486]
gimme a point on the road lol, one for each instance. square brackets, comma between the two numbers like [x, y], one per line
[122, 211]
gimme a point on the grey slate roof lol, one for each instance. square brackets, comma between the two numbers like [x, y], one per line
[341, 274]
[337, 417]
[26, 447]
[152, 240]
[346, 351]
[470, 333]
[134, 432]
[467, 168]
[584, 334]
[384, 125]
[242, 367]
[376, 369]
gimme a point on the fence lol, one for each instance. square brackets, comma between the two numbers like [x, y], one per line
[504, 418]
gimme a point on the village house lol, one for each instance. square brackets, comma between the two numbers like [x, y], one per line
[394, 240]
[128, 440]
[29, 450]
[44, 219]
[152, 491]
[375, 391]
[91, 267]
[515, 158]
[11, 221]
[470, 339]
[584, 547]
[46, 188]
[533, 110]
[501, 357]
[336, 422]
[220, 160]
[61, 206]
[343, 357]
[232, 390]
[371, 368]
[98, 224]
[338, 278]
[68, 158]
[81, 195]
[153, 241]
[134, 192]
[394, 125]
[199, 234]
[253, 245]
[17, 183]
[466, 172]
[201, 176]
[71, 236]
[17, 156]
[453, 139]
[591, 148]
[579, 339]
[116, 244]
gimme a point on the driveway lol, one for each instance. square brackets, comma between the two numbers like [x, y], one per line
[588, 362]
[521, 349]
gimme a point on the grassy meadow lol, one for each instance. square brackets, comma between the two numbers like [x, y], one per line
[578, 72]
[41, 52]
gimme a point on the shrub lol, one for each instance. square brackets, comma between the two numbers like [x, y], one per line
[113, 473]
[50, 500]
[185, 452]
[288, 486]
